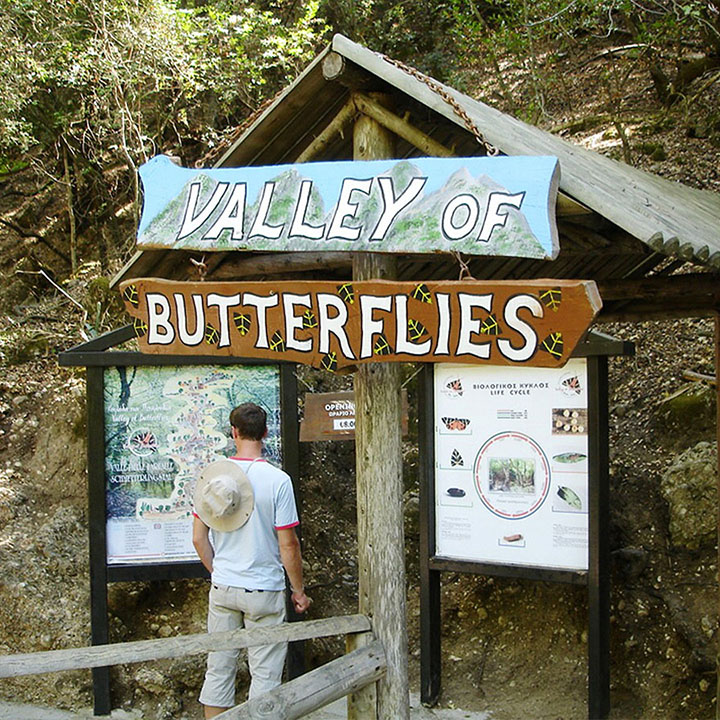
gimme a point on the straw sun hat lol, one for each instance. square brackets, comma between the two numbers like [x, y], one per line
[223, 496]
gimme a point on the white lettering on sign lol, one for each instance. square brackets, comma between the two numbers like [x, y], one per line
[510, 313]
[459, 216]
[377, 312]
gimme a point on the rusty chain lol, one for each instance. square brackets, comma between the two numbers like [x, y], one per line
[437, 88]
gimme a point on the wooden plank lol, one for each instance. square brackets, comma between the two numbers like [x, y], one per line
[241, 267]
[572, 577]
[641, 203]
[315, 689]
[331, 416]
[141, 650]
[703, 288]
[105, 341]
[25, 711]
[156, 572]
[478, 205]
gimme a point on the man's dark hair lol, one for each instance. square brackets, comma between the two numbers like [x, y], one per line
[250, 421]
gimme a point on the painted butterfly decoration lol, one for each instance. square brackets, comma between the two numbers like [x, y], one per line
[572, 384]
[452, 423]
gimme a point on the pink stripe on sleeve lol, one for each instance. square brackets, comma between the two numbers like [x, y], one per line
[287, 527]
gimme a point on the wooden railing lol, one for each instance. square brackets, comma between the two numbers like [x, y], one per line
[291, 700]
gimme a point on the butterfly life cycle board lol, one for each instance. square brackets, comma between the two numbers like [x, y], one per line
[511, 464]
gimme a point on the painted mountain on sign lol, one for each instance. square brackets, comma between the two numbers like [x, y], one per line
[387, 211]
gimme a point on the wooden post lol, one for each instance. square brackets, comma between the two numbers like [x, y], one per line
[430, 600]
[717, 420]
[599, 547]
[378, 451]
[98, 541]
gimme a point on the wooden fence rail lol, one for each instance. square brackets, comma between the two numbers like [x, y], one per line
[142, 650]
[316, 688]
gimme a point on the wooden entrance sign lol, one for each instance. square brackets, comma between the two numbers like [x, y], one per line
[331, 416]
[476, 205]
[332, 325]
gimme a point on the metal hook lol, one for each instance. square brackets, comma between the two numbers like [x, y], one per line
[200, 266]
[465, 273]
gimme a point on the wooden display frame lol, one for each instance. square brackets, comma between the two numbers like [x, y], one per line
[597, 579]
[95, 356]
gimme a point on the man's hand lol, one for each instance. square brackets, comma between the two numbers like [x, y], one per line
[301, 602]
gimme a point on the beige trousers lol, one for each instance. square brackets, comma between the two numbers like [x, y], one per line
[231, 608]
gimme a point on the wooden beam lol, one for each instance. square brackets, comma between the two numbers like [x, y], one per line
[315, 689]
[378, 453]
[141, 650]
[239, 267]
[389, 120]
[644, 313]
[694, 289]
[334, 127]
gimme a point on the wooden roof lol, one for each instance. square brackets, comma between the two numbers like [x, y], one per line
[652, 245]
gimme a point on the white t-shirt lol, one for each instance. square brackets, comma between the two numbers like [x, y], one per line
[249, 557]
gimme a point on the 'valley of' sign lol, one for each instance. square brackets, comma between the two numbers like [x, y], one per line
[335, 324]
[477, 205]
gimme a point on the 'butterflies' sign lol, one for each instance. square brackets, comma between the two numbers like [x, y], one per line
[331, 325]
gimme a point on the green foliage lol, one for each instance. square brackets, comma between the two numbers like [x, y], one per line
[415, 32]
[134, 73]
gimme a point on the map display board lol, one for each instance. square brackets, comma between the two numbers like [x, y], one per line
[162, 426]
[511, 465]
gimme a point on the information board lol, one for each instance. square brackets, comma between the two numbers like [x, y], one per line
[162, 426]
[511, 474]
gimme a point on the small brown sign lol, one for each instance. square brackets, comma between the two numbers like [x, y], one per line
[335, 324]
[331, 416]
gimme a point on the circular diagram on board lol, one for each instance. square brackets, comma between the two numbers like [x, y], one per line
[142, 443]
[511, 475]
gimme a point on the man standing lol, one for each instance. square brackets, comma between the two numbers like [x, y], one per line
[250, 547]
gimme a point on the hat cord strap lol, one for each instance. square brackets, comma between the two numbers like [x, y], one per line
[252, 462]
